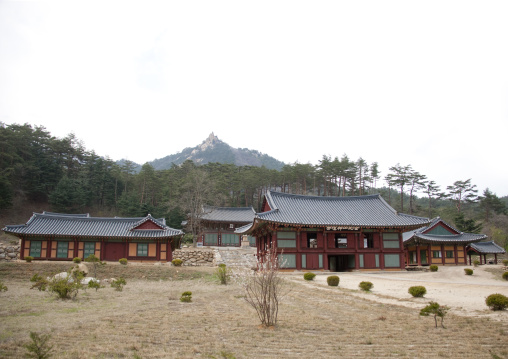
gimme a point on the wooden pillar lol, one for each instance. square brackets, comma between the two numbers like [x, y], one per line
[429, 246]
[465, 256]
[48, 248]
[325, 251]
[76, 247]
[443, 257]
[456, 254]
[418, 256]
[357, 257]
[158, 250]
[495, 258]
[102, 250]
[126, 249]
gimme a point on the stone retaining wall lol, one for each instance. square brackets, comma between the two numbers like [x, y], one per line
[9, 252]
[195, 256]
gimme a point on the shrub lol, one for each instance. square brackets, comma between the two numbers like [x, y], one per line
[497, 301]
[417, 291]
[64, 288]
[309, 276]
[505, 262]
[39, 347]
[265, 288]
[118, 284]
[186, 297]
[95, 262]
[95, 284]
[366, 286]
[505, 275]
[177, 262]
[333, 280]
[476, 262]
[28, 259]
[468, 271]
[3, 287]
[223, 273]
[433, 268]
[123, 261]
[76, 260]
[39, 282]
[436, 310]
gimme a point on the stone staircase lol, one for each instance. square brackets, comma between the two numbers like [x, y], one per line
[235, 257]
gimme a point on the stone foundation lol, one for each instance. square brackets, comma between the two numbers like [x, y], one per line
[9, 252]
[195, 256]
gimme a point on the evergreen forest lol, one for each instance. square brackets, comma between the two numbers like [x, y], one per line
[41, 172]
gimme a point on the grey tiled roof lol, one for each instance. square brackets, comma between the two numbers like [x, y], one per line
[461, 238]
[487, 248]
[361, 211]
[419, 235]
[229, 214]
[62, 225]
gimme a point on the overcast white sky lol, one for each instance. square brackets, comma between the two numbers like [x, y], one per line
[422, 83]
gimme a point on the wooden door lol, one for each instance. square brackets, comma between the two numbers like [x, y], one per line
[114, 251]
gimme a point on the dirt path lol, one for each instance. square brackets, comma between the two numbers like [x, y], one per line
[465, 295]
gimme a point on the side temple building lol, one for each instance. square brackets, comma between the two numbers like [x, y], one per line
[438, 243]
[332, 233]
[56, 236]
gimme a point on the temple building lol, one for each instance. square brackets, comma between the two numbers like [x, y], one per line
[332, 233]
[438, 243]
[57, 236]
[219, 224]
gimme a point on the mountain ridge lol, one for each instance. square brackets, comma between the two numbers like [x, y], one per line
[211, 150]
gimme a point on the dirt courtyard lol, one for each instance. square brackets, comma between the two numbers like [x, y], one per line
[147, 319]
[465, 295]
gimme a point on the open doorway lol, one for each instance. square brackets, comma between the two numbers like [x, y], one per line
[342, 263]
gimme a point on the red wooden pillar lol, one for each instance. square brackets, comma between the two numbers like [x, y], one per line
[48, 248]
[456, 254]
[126, 249]
[102, 250]
[325, 249]
[357, 257]
[418, 256]
[75, 247]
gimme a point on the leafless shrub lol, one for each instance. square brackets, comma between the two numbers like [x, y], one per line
[265, 288]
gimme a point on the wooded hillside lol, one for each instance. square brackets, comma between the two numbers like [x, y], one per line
[41, 172]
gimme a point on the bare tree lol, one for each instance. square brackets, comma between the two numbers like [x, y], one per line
[264, 288]
[197, 191]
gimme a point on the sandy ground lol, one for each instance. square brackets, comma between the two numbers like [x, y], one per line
[465, 295]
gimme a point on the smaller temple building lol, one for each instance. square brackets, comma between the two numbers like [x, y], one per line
[331, 233]
[57, 236]
[482, 249]
[219, 224]
[438, 243]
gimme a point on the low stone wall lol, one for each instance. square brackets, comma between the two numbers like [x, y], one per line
[195, 256]
[9, 252]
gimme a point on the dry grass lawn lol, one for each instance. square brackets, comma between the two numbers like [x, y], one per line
[147, 320]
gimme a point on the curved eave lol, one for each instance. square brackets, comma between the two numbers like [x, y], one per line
[446, 240]
[324, 225]
[138, 235]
